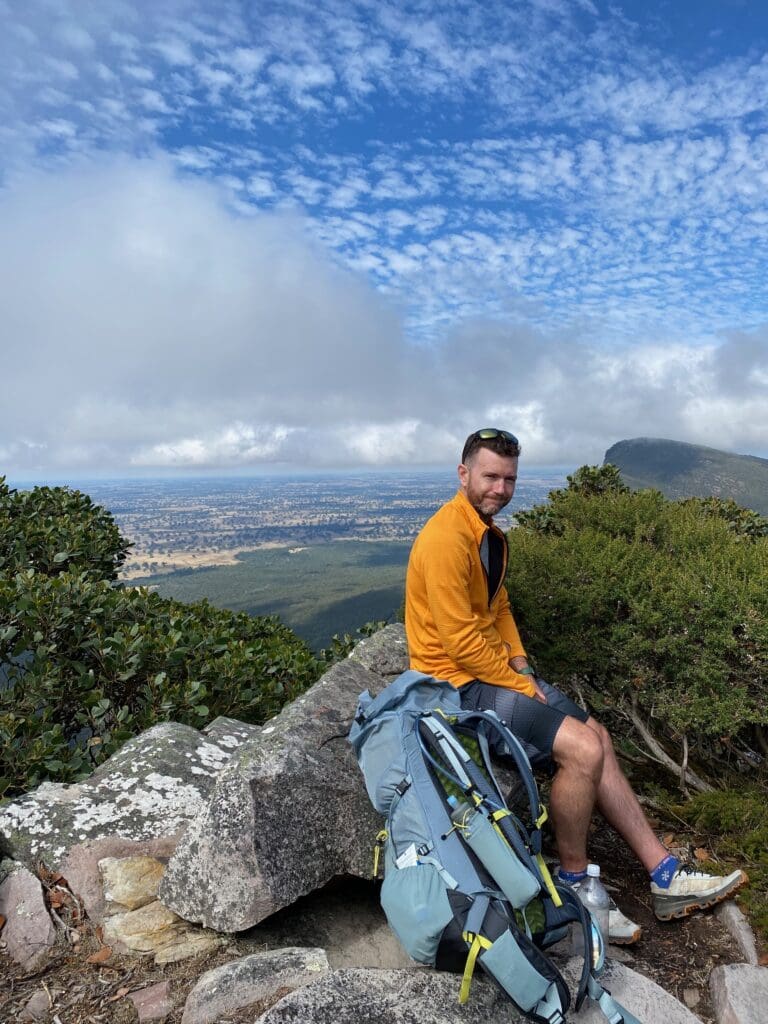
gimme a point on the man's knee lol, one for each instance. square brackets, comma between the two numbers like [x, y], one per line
[579, 747]
[604, 736]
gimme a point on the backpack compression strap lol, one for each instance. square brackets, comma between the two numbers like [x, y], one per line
[538, 996]
[614, 1012]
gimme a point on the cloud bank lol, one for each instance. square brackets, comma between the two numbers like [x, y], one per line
[148, 325]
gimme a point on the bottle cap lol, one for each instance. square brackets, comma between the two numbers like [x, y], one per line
[593, 870]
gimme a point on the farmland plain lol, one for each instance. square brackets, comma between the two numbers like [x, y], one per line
[327, 552]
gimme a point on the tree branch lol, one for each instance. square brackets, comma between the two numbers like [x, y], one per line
[684, 774]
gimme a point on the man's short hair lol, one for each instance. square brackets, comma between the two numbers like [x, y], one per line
[499, 441]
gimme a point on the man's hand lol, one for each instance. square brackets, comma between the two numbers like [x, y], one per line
[539, 695]
[519, 663]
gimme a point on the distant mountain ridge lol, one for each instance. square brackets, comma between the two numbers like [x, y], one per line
[681, 470]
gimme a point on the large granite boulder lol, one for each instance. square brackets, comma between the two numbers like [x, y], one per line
[149, 790]
[384, 652]
[428, 997]
[288, 813]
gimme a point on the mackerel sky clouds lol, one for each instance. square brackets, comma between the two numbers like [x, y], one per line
[252, 234]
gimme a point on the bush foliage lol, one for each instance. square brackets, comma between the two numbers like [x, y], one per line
[85, 663]
[649, 604]
[54, 530]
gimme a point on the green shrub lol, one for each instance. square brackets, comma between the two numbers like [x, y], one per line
[92, 665]
[86, 664]
[55, 530]
[640, 600]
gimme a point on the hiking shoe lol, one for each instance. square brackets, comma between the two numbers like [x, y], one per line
[692, 890]
[621, 931]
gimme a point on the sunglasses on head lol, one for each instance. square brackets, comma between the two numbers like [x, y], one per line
[488, 433]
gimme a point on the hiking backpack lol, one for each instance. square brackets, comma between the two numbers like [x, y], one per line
[464, 878]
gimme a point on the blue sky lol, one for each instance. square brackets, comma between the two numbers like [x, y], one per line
[256, 234]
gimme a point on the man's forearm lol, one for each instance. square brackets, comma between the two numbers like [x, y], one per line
[519, 662]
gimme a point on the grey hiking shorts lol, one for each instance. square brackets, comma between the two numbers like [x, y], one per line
[535, 724]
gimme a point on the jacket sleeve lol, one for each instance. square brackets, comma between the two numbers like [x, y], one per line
[447, 568]
[506, 625]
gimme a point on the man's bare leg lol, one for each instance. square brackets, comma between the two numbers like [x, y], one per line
[620, 807]
[578, 752]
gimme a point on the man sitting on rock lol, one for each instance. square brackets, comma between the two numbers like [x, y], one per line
[460, 628]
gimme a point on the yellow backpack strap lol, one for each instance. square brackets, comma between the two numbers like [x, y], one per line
[476, 943]
[381, 838]
[548, 881]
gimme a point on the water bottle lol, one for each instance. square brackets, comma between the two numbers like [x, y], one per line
[460, 812]
[595, 898]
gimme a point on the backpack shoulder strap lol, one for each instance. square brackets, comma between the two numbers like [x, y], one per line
[489, 722]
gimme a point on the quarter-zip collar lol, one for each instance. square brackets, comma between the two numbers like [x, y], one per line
[480, 531]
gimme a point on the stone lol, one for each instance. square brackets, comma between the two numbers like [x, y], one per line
[144, 930]
[691, 997]
[29, 932]
[391, 997]
[384, 652]
[151, 788]
[739, 993]
[130, 882]
[739, 928]
[287, 814]
[429, 997]
[153, 1002]
[259, 978]
[80, 867]
[188, 943]
[37, 1008]
[157, 930]
[650, 1003]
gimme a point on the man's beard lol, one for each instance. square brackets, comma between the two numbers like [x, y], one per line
[489, 506]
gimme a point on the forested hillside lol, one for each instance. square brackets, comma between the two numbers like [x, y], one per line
[681, 470]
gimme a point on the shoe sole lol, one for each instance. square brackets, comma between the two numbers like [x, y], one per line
[625, 940]
[684, 906]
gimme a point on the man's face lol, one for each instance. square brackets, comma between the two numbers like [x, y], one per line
[488, 481]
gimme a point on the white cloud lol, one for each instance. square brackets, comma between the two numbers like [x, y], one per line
[175, 51]
[155, 327]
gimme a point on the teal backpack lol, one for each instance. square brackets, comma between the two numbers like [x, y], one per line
[464, 879]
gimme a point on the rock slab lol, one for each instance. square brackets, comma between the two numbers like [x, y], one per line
[741, 932]
[384, 652]
[261, 978]
[154, 1002]
[130, 882]
[153, 929]
[739, 994]
[428, 997]
[151, 788]
[28, 932]
[288, 813]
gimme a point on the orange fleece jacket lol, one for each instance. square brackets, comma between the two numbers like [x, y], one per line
[453, 631]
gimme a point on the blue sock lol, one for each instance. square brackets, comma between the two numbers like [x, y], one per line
[663, 872]
[571, 876]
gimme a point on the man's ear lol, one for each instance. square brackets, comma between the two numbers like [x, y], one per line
[463, 474]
